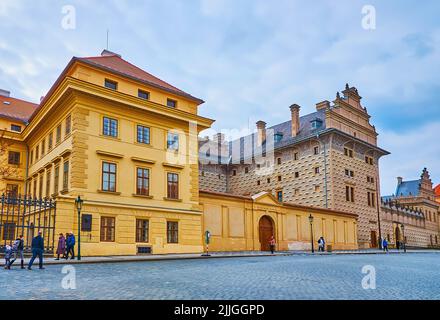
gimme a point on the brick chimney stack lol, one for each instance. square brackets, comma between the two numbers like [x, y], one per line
[294, 109]
[5, 93]
[261, 132]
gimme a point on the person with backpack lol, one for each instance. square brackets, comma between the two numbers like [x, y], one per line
[8, 255]
[70, 242]
[17, 251]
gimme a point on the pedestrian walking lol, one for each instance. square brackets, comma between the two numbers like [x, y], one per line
[8, 255]
[61, 249]
[17, 251]
[385, 245]
[321, 244]
[272, 244]
[37, 251]
[70, 242]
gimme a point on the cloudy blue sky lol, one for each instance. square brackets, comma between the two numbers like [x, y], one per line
[251, 59]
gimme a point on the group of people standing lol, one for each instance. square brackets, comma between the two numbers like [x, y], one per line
[66, 246]
[13, 251]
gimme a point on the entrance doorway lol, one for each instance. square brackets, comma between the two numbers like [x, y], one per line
[373, 239]
[266, 229]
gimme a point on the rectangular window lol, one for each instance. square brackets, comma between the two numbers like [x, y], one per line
[246, 170]
[15, 128]
[56, 180]
[143, 182]
[9, 231]
[348, 152]
[143, 134]
[37, 153]
[258, 182]
[113, 85]
[50, 141]
[48, 177]
[172, 232]
[172, 141]
[108, 177]
[14, 158]
[171, 103]
[279, 161]
[369, 160]
[296, 156]
[280, 196]
[173, 186]
[107, 229]
[349, 194]
[143, 94]
[142, 230]
[40, 187]
[296, 174]
[58, 137]
[32, 157]
[110, 127]
[234, 172]
[279, 178]
[12, 190]
[371, 199]
[316, 151]
[68, 125]
[43, 147]
[66, 176]
[317, 170]
[34, 194]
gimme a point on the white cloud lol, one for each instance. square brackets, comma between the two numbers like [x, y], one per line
[411, 151]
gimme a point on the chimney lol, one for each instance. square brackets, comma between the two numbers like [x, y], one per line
[261, 132]
[399, 181]
[108, 53]
[294, 109]
[323, 105]
[5, 93]
[219, 137]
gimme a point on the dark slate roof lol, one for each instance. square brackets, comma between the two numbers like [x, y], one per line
[408, 188]
[285, 128]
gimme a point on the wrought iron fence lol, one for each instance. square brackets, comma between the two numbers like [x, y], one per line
[24, 215]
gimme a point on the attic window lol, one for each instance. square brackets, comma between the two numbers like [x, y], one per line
[15, 128]
[111, 84]
[6, 103]
[278, 137]
[171, 103]
[317, 123]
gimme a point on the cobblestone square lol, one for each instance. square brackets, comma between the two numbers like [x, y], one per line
[398, 276]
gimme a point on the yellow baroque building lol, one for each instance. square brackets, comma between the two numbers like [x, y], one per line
[126, 142]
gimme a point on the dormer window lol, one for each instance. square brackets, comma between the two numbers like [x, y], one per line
[278, 137]
[316, 124]
[171, 103]
[111, 84]
[15, 128]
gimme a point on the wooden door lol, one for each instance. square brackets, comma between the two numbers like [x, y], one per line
[266, 232]
[373, 239]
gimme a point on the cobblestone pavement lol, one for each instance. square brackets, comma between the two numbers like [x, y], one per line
[402, 276]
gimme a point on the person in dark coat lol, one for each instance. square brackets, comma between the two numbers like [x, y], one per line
[37, 250]
[272, 244]
[61, 249]
[70, 242]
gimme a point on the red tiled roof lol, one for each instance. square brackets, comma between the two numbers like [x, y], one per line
[16, 109]
[114, 63]
[437, 190]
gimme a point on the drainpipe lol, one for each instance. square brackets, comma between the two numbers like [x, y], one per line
[378, 204]
[325, 171]
[27, 171]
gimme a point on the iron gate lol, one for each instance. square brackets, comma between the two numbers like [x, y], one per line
[26, 216]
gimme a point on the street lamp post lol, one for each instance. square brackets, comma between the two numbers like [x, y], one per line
[311, 232]
[404, 239]
[78, 204]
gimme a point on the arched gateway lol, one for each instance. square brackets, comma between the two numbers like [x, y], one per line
[266, 230]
